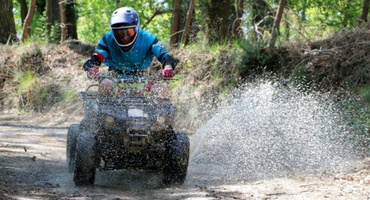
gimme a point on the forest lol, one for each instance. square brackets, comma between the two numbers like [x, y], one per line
[183, 21]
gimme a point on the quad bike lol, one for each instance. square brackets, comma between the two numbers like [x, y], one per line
[129, 130]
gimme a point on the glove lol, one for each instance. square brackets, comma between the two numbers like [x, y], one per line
[93, 73]
[93, 62]
[168, 72]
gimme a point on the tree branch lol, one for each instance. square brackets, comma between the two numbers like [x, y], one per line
[158, 12]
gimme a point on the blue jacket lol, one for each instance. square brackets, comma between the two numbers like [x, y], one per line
[139, 57]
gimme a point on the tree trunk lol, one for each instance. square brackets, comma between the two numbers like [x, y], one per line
[63, 24]
[28, 21]
[71, 20]
[365, 11]
[189, 18]
[276, 27]
[237, 22]
[24, 9]
[176, 19]
[7, 24]
[217, 21]
[53, 20]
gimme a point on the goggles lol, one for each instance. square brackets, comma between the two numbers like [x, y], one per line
[125, 35]
[127, 32]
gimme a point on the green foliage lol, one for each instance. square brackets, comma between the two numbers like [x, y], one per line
[323, 17]
[25, 81]
[254, 57]
[17, 17]
[31, 94]
[94, 17]
[364, 92]
[303, 20]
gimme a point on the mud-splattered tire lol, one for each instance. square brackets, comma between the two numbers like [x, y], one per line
[71, 145]
[177, 161]
[85, 164]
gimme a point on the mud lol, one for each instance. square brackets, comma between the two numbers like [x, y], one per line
[33, 166]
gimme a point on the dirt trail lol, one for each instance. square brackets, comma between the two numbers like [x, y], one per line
[33, 166]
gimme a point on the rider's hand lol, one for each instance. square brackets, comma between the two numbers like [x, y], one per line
[93, 73]
[93, 62]
[168, 71]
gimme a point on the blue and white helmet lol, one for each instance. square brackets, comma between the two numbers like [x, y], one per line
[125, 24]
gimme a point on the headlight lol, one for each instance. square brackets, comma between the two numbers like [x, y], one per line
[133, 112]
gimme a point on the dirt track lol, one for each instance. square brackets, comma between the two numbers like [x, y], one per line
[33, 166]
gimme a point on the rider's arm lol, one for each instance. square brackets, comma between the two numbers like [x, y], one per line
[162, 54]
[98, 56]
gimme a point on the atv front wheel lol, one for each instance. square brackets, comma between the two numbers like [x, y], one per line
[71, 145]
[177, 161]
[85, 163]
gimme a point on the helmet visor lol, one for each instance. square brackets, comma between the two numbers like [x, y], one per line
[125, 35]
[127, 32]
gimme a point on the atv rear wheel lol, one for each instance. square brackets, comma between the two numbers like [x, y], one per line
[71, 145]
[177, 161]
[85, 163]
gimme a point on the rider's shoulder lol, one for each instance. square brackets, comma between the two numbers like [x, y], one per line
[146, 34]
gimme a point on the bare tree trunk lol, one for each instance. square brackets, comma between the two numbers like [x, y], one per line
[365, 11]
[71, 20]
[237, 22]
[53, 20]
[218, 21]
[189, 18]
[175, 28]
[28, 21]
[63, 24]
[7, 24]
[276, 27]
[24, 10]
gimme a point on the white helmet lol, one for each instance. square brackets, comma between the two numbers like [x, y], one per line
[125, 24]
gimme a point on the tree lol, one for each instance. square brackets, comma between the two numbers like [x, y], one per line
[63, 26]
[24, 10]
[71, 20]
[189, 18]
[28, 21]
[365, 11]
[260, 17]
[176, 21]
[217, 20]
[53, 20]
[7, 25]
[276, 27]
[236, 31]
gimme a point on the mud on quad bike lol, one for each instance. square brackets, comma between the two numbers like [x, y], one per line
[129, 130]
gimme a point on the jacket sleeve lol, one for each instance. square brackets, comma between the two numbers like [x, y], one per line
[102, 49]
[162, 54]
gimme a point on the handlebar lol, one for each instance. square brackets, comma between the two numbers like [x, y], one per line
[122, 78]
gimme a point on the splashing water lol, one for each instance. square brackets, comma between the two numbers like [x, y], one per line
[268, 131]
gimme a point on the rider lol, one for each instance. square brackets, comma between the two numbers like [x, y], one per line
[127, 49]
